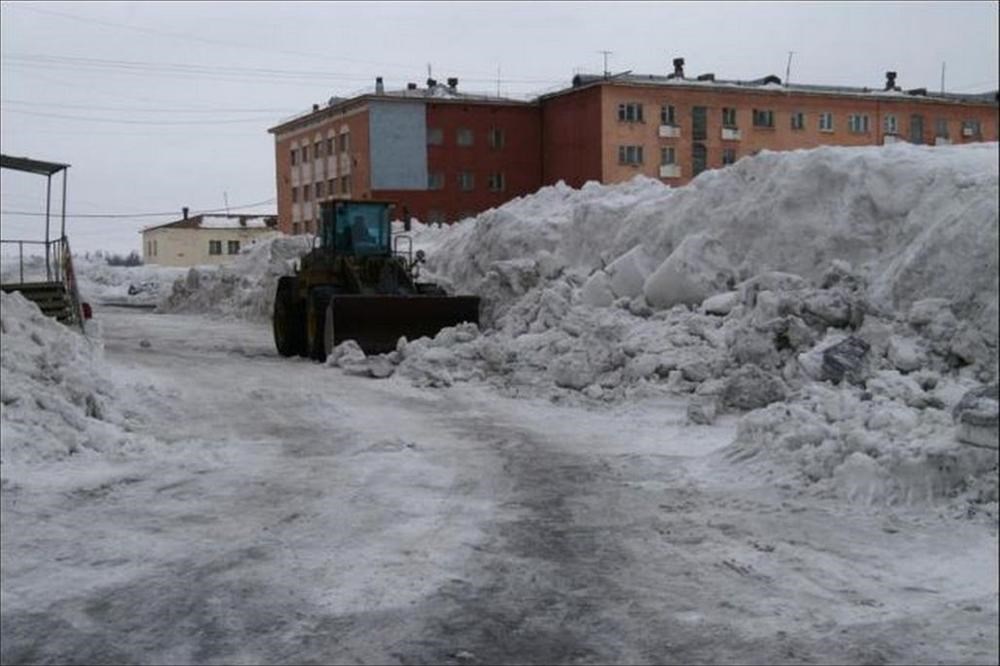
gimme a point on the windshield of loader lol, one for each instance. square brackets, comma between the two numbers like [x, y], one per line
[361, 228]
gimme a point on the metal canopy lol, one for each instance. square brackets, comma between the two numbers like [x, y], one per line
[31, 166]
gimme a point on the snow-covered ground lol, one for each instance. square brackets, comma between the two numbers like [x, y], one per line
[750, 420]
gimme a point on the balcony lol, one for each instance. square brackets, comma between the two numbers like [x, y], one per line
[670, 131]
[942, 141]
[670, 171]
[730, 134]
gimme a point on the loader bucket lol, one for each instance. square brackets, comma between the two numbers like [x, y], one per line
[377, 322]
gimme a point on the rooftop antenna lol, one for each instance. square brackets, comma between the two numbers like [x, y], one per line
[225, 199]
[942, 77]
[606, 54]
[429, 70]
[788, 68]
[498, 81]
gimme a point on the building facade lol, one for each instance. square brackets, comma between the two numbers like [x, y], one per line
[438, 154]
[204, 239]
[442, 155]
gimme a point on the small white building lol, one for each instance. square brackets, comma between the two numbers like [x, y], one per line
[204, 239]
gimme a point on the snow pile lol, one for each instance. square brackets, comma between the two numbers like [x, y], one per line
[56, 398]
[244, 289]
[864, 278]
[100, 283]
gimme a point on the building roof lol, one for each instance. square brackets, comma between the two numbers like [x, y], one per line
[221, 222]
[436, 93]
[30, 165]
[771, 83]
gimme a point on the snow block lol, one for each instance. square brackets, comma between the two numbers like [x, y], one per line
[845, 360]
[977, 415]
[721, 304]
[628, 272]
[695, 270]
[596, 292]
[752, 388]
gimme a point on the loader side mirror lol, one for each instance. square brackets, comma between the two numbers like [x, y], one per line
[421, 257]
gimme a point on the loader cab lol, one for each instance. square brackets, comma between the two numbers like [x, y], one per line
[357, 228]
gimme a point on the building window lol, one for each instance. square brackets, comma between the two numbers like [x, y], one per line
[466, 181]
[630, 112]
[763, 118]
[826, 122]
[233, 247]
[345, 185]
[699, 123]
[435, 217]
[295, 194]
[345, 142]
[630, 154]
[291, 156]
[305, 193]
[435, 136]
[435, 180]
[317, 150]
[464, 136]
[319, 190]
[941, 128]
[496, 138]
[329, 146]
[668, 156]
[890, 124]
[331, 187]
[728, 156]
[668, 115]
[798, 121]
[857, 123]
[496, 182]
[156, 250]
[699, 158]
[296, 228]
[729, 117]
[305, 154]
[308, 226]
[971, 128]
[215, 247]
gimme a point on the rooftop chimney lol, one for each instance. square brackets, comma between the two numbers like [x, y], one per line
[315, 107]
[431, 83]
[185, 212]
[706, 77]
[411, 86]
[379, 88]
[452, 83]
[679, 68]
[890, 80]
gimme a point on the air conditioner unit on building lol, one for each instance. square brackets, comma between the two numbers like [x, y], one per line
[670, 131]
[670, 171]
[730, 134]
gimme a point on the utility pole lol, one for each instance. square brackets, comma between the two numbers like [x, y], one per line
[606, 54]
[942, 77]
[225, 199]
[788, 68]
[498, 81]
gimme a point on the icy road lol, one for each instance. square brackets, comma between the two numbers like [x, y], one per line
[295, 514]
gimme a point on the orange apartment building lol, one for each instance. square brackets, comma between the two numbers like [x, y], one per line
[442, 155]
[439, 154]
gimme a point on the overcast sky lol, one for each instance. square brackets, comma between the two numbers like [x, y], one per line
[159, 105]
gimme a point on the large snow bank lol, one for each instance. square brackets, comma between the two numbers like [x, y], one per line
[243, 289]
[56, 398]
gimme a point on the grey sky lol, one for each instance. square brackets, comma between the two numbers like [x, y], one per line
[173, 106]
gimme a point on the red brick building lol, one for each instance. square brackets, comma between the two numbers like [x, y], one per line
[442, 155]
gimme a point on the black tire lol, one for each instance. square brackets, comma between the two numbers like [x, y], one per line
[289, 337]
[316, 307]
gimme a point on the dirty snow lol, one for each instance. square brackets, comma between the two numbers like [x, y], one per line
[763, 406]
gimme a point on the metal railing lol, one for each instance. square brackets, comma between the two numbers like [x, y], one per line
[54, 257]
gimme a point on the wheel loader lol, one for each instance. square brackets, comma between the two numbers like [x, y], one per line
[360, 283]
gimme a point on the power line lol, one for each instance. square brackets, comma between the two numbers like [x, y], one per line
[64, 105]
[133, 215]
[229, 121]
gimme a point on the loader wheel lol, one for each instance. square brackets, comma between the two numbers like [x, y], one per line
[289, 337]
[316, 307]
